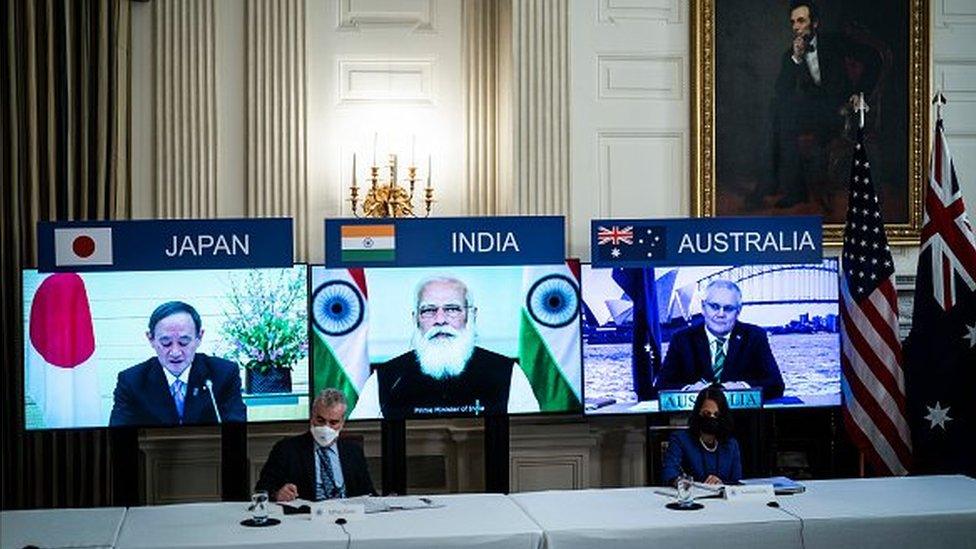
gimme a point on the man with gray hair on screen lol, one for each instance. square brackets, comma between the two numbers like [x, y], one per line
[445, 373]
[722, 350]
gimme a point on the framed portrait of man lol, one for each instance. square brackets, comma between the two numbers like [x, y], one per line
[773, 112]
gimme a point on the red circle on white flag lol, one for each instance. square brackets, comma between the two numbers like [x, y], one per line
[83, 246]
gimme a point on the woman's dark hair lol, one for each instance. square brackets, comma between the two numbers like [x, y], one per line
[712, 392]
[172, 308]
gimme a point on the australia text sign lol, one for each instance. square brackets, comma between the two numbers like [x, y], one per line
[445, 241]
[149, 245]
[705, 241]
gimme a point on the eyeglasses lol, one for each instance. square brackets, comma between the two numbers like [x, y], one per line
[716, 307]
[452, 311]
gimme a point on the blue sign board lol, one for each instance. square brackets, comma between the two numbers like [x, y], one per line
[156, 245]
[444, 241]
[682, 401]
[705, 241]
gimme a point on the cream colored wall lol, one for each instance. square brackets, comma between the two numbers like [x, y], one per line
[629, 141]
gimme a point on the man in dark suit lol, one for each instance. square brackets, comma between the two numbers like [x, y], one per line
[445, 373]
[723, 350]
[179, 385]
[317, 465]
[809, 96]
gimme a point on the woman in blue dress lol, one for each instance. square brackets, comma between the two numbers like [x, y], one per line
[706, 450]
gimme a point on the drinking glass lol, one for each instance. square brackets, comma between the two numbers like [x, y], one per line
[259, 506]
[684, 490]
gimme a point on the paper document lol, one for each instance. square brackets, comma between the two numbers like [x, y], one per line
[697, 491]
[397, 503]
[781, 485]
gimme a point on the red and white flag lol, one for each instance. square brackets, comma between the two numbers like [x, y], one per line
[62, 377]
[872, 377]
[83, 246]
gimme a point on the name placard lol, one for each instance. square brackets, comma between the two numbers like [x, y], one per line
[762, 493]
[155, 245]
[682, 401]
[705, 241]
[444, 241]
[332, 509]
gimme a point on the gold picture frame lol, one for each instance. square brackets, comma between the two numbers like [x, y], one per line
[708, 196]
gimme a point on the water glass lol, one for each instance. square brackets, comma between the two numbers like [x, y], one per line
[684, 490]
[259, 506]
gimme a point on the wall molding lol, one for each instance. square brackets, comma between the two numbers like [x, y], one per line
[640, 76]
[359, 15]
[403, 80]
[668, 11]
[606, 139]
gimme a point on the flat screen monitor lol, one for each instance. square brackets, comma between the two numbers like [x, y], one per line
[448, 342]
[645, 334]
[90, 359]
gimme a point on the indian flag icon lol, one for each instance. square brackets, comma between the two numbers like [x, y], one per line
[368, 243]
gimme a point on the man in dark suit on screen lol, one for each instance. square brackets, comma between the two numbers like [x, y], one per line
[317, 465]
[177, 386]
[723, 350]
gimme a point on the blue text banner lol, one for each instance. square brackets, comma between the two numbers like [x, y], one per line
[151, 245]
[444, 241]
[705, 241]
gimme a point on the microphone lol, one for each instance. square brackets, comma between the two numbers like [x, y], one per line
[213, 400]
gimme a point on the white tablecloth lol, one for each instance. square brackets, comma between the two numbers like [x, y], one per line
[56, 528]
[485, 521]
[935, 511]
[636, 517]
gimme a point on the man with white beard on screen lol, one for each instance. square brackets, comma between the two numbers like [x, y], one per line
[445, 373]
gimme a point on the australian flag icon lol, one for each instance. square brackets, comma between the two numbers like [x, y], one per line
[630, 244]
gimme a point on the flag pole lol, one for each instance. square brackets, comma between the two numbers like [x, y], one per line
[939, 101]
[862, 107]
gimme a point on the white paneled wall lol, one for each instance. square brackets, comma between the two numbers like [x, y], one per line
[629, 118]
[390, 69]
[954, 72]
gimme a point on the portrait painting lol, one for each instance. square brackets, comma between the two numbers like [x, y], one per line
[775, 121]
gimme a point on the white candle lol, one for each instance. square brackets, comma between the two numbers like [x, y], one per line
[374, 147]
[413, 150]
[428, 171]
[353, 169]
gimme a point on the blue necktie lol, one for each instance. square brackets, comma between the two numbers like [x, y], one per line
[178, 390]
[327, 488]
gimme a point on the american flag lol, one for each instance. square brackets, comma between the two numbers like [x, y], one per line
[940, 352]
[615, 236]
[872, 379]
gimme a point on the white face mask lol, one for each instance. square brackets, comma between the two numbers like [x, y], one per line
[324, 435]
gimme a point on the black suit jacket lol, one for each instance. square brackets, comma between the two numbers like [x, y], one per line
[803, 105]
[142, 396]
[749, 359]
[292, 460]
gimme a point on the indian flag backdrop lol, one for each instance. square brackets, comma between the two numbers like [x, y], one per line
[368, 243]
[549, 336]
[339, 326]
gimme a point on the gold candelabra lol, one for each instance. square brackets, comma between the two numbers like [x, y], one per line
[389, 199]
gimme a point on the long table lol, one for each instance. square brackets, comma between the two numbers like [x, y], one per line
[59, 528]
[637, 517]
[487, 521]
[936, 511]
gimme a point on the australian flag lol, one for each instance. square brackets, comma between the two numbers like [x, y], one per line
[629, 244]
[940, 352]
[639, 285]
